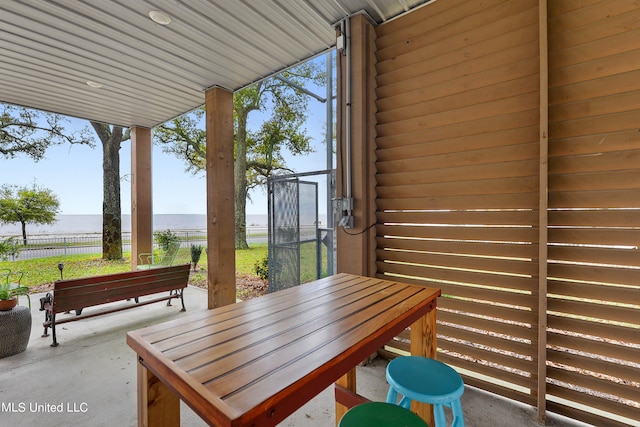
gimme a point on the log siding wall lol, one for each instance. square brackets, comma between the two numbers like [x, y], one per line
[460, 197]
[594, 208]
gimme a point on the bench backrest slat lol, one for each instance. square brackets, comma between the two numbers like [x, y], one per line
[95, 290]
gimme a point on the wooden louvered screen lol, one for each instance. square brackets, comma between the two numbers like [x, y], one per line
[458, 188]
[594, 216]
[458, 192]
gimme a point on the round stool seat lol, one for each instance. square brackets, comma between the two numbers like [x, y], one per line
[429, 381]
[380, 414]
[424, 379]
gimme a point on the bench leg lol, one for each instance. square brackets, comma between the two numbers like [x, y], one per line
[47, 319]
[45, 305]
[53, 330]
[176, 294]
[182, 299]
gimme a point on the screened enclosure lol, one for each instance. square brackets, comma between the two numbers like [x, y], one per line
[300, 242]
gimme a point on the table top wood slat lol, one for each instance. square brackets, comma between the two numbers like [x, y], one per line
[278, 370]
[172, 329]
[285, 339]
[242, 334]
[255, 362]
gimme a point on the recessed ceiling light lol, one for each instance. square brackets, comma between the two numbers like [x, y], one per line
[95, 85]
[160, 17]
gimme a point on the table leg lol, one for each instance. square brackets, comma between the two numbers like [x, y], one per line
[347, 381]
[158, 406]
[423, 343]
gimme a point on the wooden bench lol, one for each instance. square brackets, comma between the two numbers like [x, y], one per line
[77, 294]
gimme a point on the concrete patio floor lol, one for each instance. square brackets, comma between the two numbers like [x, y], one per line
[91, 377]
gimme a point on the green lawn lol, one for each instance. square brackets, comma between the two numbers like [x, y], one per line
[43, 271]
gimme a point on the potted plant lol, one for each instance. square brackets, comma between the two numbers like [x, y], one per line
[196, 251]
[15, 321]
[7, 298]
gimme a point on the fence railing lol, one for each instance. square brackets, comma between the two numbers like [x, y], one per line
[91, 243]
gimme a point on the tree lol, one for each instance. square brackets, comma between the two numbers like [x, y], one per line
[8, 248]
[27, 205]
[257, 154]
[111, 138]
[31, 132]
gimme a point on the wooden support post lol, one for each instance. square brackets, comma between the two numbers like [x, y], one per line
[158, 406]
[543, 221]
[347, 381]
[423, 343]
[221, 256]
[141, 194]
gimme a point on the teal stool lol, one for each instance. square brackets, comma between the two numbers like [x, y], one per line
[380, 414]
[429, 381]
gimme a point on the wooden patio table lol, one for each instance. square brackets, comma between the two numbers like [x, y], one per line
[256, 362]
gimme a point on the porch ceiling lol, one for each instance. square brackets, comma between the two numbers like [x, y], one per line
[149, 72]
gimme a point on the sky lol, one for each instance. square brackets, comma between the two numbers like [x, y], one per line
[74, 172]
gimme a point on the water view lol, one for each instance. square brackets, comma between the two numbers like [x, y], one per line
[87, 224]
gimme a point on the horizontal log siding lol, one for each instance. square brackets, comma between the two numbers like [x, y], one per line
[458, 191]
[594, 211]
[458, 179]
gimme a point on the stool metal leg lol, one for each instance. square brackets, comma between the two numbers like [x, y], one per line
[439, 416]
[458, 417]
[405, 402]
[392, 396]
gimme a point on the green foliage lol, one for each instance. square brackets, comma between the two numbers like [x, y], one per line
[165, 238]
[196, 251]
[184, 137]
[41, 271]
[309, 257]
[8, 248]
[31, 132]
[262, 268]
[257, 155]
[27, 205]
[5, 291]
[247, 258]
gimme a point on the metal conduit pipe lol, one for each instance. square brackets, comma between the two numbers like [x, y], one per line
[348, 107]
[344, 205]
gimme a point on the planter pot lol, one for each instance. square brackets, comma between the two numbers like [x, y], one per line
[8, 304]
[15, 329]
